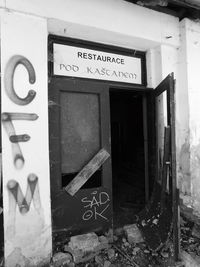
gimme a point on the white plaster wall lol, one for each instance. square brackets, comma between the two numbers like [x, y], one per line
[190, 74]
[108, 21]
[182, 117]
[27, 228]
[3, 3]
[114, 22]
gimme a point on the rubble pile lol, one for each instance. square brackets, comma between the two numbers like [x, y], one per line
[127, 252]
[190, 239]
[126, 248]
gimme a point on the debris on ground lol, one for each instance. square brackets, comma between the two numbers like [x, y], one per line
[190, 242]
[125, 250]
[128, 249]
[62, 259]
[133, 234]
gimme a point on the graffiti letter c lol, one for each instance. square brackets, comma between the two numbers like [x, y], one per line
[9, 76]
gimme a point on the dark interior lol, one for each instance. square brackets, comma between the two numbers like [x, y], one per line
[127, 155]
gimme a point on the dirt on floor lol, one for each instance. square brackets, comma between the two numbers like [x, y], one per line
[122, 253]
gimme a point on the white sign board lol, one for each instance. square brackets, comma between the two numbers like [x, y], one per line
[86, 63]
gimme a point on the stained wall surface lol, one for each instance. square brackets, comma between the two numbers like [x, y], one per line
[170, 46]
[26, 188]
[188, 146]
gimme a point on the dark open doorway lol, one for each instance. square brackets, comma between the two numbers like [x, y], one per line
[128, 159]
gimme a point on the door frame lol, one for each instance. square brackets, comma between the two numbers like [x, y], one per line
[103, 89]
[142, 88]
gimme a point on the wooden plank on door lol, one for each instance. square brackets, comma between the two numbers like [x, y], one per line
[82, 177]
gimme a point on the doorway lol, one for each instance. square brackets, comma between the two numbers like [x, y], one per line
[128, 157]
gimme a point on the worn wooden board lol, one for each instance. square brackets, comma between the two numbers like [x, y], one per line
[156, 220]
[82, 177]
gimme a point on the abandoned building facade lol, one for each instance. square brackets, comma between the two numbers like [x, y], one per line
[99, 102]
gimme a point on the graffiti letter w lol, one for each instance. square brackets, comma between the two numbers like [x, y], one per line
[32, 193]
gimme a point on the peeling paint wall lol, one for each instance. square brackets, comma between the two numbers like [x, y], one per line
[188, 147]
[25, 153]
[182, 118]
[24, 30]
[106, 21]
[193, 66]
[184, 61]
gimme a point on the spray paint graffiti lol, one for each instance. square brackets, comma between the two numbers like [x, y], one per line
[9, 79]
[26, 187]
[16, 197]
[32, 193]
[96, 206]
[7, 119]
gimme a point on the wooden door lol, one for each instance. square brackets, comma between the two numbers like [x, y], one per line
[168, 86]
[80, 159]
[162, 211]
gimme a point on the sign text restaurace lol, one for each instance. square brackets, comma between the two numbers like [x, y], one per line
[96, 206]
[100, 71]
